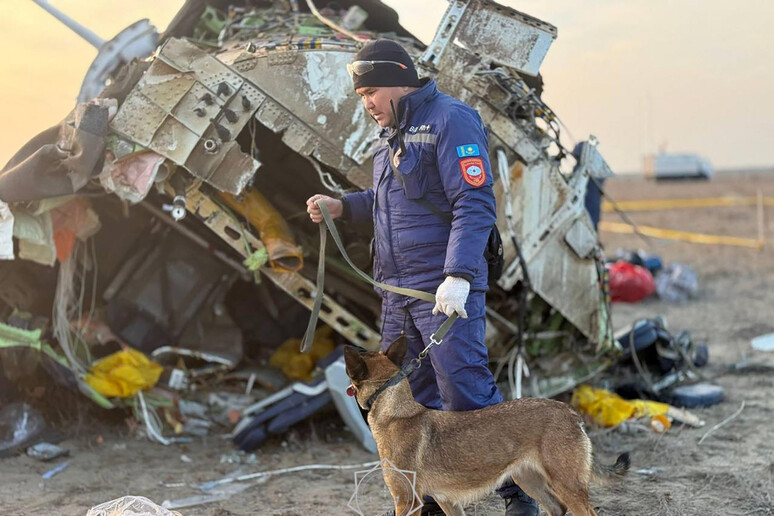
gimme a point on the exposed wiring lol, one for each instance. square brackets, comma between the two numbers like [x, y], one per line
[527, 104]
[682, 353]
[68, 305]
[503, 361]
[723, 423]
[604, 279]
[517, 358]
[531, 103]
[60, 324]
[152, 422]
[207, 486]
[333, 25]
[326, 178]
[517, 369]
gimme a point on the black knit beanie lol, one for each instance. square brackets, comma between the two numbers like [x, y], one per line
[386, 74]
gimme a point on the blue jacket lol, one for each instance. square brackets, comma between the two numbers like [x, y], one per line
[447, 164]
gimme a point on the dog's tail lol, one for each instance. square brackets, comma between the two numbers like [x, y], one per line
[603, 474]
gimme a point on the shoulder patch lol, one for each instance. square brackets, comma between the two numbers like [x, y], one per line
[473, 171]
[466, 151]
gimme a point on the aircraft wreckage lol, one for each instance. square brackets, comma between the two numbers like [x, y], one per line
[208, 149]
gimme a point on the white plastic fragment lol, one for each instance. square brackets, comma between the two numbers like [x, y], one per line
[763, 342]
[46, 452]
[6, 232]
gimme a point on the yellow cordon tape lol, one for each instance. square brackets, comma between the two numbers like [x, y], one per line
[670, 204]
[685, 236]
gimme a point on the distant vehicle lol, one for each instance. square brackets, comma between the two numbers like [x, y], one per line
[677, 166]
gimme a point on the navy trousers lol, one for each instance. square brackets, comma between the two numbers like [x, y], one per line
[455, 375]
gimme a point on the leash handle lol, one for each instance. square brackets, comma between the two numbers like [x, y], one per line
[328, 225]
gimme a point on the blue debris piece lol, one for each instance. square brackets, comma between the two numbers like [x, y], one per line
[278, 417]
[55, 470]
[696, 395]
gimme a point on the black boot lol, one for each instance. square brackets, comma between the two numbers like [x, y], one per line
[429, 508]
[520, 504]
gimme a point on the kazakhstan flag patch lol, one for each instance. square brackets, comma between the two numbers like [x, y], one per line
[467, 151]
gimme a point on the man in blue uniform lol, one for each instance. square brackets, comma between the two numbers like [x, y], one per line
[433, 209]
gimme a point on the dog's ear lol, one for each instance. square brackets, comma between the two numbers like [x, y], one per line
[397, 351]
[357, 370]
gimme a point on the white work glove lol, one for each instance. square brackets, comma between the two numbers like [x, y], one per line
[451, 297]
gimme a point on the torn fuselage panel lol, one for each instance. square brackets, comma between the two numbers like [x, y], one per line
[189, 107]
[312, 102]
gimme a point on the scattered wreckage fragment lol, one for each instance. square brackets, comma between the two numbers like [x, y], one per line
[238, 117]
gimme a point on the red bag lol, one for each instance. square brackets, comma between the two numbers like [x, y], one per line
[630, 283]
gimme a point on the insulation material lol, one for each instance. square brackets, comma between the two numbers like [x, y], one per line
[6, 232]
[61, 159]
[71, 221]
[123, 374]
[284, 254]
[49, 232]
[36, 237]
[131, 178]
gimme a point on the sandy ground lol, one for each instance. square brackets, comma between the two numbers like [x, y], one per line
[730, 473]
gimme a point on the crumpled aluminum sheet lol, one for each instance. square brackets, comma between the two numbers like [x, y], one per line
[189, 107]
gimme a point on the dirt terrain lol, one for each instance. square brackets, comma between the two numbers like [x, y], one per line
[730, 473]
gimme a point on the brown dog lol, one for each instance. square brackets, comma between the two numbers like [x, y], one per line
[460, 457]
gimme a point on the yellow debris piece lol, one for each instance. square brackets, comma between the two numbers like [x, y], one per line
[273, 229]
[684, 236]
[123, 374]
[299, 366]
[670, 204]
[609, 409]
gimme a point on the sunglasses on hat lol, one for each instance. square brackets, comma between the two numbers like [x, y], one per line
[363, 67]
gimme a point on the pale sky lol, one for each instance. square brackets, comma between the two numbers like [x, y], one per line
[690, 75]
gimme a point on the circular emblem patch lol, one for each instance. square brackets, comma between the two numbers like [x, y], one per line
[473, 171]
